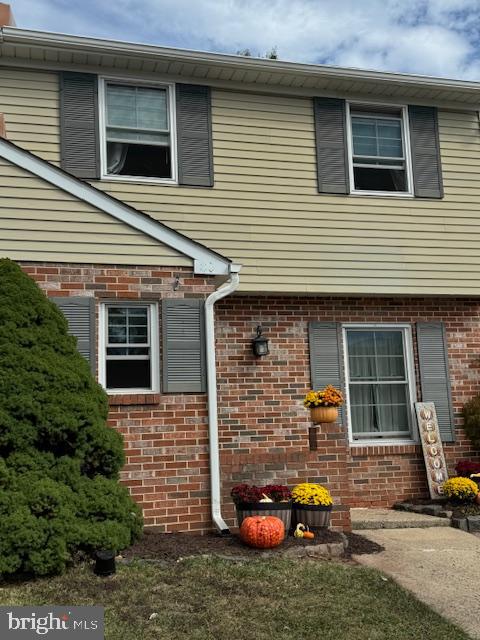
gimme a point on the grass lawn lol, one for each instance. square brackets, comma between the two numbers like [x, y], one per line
[206, 599]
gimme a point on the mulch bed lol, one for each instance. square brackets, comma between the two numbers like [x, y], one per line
[358, 545]
[171, 546]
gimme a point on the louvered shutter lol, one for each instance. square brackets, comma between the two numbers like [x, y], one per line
[325, 339]
[194, 135]
[79, 124]
[331, 144]
[434, 374]
[425, 145]
[80, 315]
[183, 346]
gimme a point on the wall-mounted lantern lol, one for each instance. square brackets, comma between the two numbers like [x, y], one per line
[260, 344]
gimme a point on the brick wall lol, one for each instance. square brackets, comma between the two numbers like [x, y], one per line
[263, 426]
[166, 444]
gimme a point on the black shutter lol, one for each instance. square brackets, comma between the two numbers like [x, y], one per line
[183, 346]
[194, 135]
[79, 124]
[325, 339]
[80, 315]
[434, 374]
[424, 141]
[331, 144]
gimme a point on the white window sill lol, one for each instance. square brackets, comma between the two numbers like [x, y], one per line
[131, 392]
[139, 180]
[382, 194]
[383, 443]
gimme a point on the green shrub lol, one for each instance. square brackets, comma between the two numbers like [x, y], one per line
[59, 461]
[471, 420]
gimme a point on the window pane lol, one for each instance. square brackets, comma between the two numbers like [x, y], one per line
[128, 325]
[375, 355]
[389, 343]
[136, 107]
[121, 109]
[138, 160]
[128, 374]
[378, 179]
[151, 108]
[377, 137]
[379, 408]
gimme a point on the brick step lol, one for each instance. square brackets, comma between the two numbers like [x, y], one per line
[393, 519]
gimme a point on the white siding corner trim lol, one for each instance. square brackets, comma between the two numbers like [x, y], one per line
[206, 262]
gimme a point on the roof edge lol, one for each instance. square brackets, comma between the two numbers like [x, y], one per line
[205, 261]
[15, 36]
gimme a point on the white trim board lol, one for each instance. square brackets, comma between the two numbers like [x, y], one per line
[205, 261]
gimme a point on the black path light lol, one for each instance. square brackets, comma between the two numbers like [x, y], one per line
[260, 344]
[104, 563]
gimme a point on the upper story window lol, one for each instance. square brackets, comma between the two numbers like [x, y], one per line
[138, 131]
[379, 152]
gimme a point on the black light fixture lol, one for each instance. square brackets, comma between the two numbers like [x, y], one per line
[104, 563]
[260, 344]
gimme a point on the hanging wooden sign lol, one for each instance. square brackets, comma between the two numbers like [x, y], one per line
[432, 447]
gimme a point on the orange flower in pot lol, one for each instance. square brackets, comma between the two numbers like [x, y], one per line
[323, 404]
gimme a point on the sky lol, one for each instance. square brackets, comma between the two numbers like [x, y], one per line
[432, 37]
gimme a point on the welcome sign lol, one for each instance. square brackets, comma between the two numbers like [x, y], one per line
[432, 447]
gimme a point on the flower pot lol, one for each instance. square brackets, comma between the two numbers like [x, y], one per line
[282, 510]
[314, 516]
[323, 414]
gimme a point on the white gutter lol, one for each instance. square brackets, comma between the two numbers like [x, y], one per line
[220, 293]
[82, 44]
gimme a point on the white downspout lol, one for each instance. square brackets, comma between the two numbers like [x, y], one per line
[220, 293]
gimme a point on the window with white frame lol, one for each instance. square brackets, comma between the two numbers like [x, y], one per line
[379, 382]
[130, 347]
[138, 131]
[379, 150]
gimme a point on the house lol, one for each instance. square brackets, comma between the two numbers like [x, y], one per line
[172, 201]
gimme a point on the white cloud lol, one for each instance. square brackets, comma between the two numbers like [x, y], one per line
[438, 37]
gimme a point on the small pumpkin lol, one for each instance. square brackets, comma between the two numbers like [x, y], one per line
[262, 532]
[303, 532]
[265, 498]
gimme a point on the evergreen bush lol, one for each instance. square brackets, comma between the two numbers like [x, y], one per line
[59, 461]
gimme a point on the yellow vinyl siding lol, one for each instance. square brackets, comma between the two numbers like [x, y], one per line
[265, 211]
[29, 101]
[40, 222]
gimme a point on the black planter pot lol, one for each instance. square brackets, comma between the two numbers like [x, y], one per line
[312, 515]
[282, 510]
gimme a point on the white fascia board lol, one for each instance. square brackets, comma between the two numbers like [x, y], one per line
[206, 262]
[59, 41]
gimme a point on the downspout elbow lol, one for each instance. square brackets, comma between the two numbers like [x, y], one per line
[215, 493]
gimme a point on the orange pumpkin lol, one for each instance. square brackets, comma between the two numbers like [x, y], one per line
[262, 532]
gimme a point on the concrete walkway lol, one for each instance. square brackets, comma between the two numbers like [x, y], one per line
[441, 566]
[391, 519]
